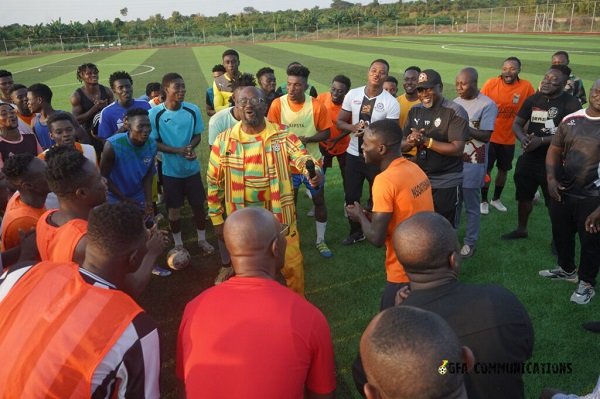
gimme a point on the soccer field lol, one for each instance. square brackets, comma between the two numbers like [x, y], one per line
[348, 286]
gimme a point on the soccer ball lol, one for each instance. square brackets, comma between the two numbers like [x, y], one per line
[178, 258]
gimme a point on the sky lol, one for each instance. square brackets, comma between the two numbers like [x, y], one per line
[45, 11]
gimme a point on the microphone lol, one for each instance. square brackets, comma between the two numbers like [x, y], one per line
[310, 166]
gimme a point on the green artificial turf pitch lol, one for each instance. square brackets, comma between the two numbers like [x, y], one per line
[348, 286]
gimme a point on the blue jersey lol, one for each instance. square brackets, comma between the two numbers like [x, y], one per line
[111, 117]
[131, 164]
[176, 129]
[42, 133]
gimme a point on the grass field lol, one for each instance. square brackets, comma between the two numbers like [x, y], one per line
[347, 287]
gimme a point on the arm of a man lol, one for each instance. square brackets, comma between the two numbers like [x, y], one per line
[322, 123]
[486, 123]
[554, 162]
[107, 161]
[215, 185]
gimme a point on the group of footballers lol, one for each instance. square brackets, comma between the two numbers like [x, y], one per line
[88, 183]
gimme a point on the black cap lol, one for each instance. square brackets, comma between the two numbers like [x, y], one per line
[428, 78]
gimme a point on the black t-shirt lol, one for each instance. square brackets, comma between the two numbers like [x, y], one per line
[493, 323]
[579, 137]
[544, 115]
[366, 110]
[445, 122]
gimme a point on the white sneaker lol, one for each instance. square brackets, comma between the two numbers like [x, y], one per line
[498, 205]
[484, 208]
[583, 294]
[205, 246]
[311, 212]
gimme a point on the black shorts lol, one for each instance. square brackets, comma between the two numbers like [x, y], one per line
[529, 175]
[501, 155]
[176, 189]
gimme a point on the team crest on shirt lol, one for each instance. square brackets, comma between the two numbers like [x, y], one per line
[147, 161]
[552, 112]
[571, 122]
[276, 147]
[437, 122]
[379, 107]
[422, 77]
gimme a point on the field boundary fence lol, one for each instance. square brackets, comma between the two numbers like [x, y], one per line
[579, 18]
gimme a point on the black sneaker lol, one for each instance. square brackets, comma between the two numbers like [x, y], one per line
[354, 238]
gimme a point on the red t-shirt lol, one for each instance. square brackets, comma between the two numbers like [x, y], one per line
[254, 338]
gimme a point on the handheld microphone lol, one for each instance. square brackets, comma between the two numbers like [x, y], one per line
[310, 166]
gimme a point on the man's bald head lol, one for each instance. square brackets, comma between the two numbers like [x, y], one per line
[471, 73]
[401, 351]
[252, 236]
[425, 242]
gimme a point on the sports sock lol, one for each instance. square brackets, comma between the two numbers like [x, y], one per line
[201, 235]
[177, 239]
[484, 194]
[497, 192]
[321, 227]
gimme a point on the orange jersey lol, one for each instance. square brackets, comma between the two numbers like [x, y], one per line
[18, 216]
[508, 99]
[403, 190]
[57, 244]
[333, 110]
[56, 330]
[320, 114]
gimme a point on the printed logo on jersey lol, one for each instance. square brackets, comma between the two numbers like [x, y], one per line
[516, 98]
[422, 77]
[437, 122]
[366, 109]
[552, 112]
[147, 161]
[379, 107]
[539, 115]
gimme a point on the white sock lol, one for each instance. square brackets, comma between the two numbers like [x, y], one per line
[321, 227]
[177, 239]
[201, 235]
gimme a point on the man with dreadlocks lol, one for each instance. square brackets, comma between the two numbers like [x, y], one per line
[87, 101]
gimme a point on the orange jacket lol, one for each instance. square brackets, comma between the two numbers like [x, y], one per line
[55, 329]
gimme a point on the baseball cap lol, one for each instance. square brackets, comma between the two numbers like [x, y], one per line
[428, 78]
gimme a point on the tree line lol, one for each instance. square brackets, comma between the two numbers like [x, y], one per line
[340, 12]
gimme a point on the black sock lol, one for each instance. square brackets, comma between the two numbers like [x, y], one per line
[484, 194]
[497, 192]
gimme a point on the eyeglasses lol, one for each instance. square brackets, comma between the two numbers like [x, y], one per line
[254, 101]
